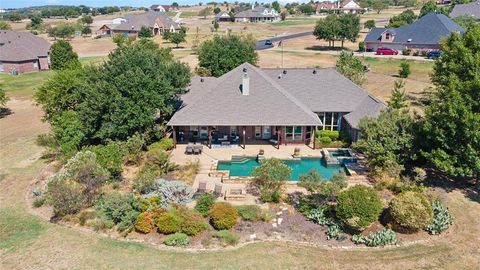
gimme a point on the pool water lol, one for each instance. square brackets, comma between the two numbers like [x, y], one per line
[340, 153]
[244, 167]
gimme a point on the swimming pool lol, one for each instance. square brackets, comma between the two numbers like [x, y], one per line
[243, 166]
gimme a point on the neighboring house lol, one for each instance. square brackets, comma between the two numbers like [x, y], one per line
[469, 10]
[23, 52]
[257, 14]
[118, 20]
[325, 6]
[347, 6]
[251, 104]
[163, 8]
[223, 16]
[158, 22]
[106, 29]
[423, 34]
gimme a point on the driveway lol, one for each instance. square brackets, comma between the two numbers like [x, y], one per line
[261, 43]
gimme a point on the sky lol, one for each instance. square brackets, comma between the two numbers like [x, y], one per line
[92, 3]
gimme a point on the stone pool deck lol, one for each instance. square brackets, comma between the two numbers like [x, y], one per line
[210, 156]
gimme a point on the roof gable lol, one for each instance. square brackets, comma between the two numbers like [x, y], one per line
[22, 46]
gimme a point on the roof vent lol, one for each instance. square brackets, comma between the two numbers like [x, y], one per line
[201, 79]
[133, 27]
[409, 40]
[284, 71]
[280, 76]
[314, 71]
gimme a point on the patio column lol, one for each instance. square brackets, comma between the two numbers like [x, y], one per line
[209, 143]
[174, 137]
[278, 139]
[314, 137]
[243, 135]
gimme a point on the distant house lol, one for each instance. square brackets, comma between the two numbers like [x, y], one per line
[423, 34]
[118, 20]
[23, 52]
[469, 10]
[163, 8]
[158, 22]
[257, 14]
[347, 6]
[223, 16]
[251, 104]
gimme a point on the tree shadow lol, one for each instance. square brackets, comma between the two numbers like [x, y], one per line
[324, 48]
[5, 112]
[449, 183]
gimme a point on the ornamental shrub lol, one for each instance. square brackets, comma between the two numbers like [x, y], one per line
[334, 231]
[178, 239]
[441, 219]
[223, 216]
[332, 134]
[227, 237]
[404, 69]
[270, 177]
[380, 238]
[250, 212]
[358, 207]
[144, 222]
[168, 222]
[123, 210]
[171, 192]
[319, 216]
[165, 144]
[205, 203]
[411, 210]
[325, 140]
[193, 222]
[109, 157]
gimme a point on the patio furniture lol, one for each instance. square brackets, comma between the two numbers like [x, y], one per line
[273, 141]
[226, 143]
[217, 191]
[189, 150]
[202, 187]
[235, 194]
[197, 149]
[224, 138]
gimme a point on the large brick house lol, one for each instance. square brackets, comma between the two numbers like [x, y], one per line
[346, 6]
[251, 105]
[23, 52]
[257, 14]
[157, 22]
[467, 10]
[423, 34]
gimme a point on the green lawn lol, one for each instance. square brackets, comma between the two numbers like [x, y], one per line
[23, 84]
[295, 21]
[420, 70]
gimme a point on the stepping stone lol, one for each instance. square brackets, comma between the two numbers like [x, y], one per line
[279, 221]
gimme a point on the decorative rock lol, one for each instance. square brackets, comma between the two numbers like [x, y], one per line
[278, 237]
[285, 209]
[274, 225]
[279, 213]
[279, 221]
[253, 236]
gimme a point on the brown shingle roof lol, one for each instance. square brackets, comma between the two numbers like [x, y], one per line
[22, 46]
[148, 19]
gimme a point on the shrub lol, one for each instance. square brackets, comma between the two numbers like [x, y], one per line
[188, 171]
[380, 238]
[145, 181]
[269, 177]
[332, 134]
[411, 210]
[171, 192]
[361, 46]
[325, 140]
[164, 144]
[178, 239]
[223, 216]
[193, 223]
[404, 69]
[205, 203]
[359, 207]
[407, 51]
[159, 162]
[227, 237]
[441, 219]
[108, 156]
[144, 222]
[334, 231]
[168, 222]
[149, 204]
[123, 210]
[39, 201]
[250, 212]
[315, 184]
[133, 148]
[65, 196]
[319, 216]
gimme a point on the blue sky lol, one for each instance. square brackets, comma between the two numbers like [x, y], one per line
[94, 3]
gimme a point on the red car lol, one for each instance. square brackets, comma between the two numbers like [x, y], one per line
[386, 51]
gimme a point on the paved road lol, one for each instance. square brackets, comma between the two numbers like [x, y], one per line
[261, 43]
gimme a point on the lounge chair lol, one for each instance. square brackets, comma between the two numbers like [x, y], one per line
[202, 187]
[189, 150]
[218, 190]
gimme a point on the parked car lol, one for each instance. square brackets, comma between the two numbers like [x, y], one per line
[268, 42]
[386, 51]
[433, 54]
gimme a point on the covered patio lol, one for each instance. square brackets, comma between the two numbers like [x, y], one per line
[227, 136]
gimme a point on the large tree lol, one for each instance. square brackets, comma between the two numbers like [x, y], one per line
[338, 27]
[429, 7]
[224, 53]
[351, 67]
[131, 92]
[452, 120]
[62, 55]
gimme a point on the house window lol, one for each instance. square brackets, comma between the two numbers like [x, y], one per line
[387, 35]
[258, 131]
[1, 67]
[233, 131]
[35, 64]
[331, 120]
[293, 133]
